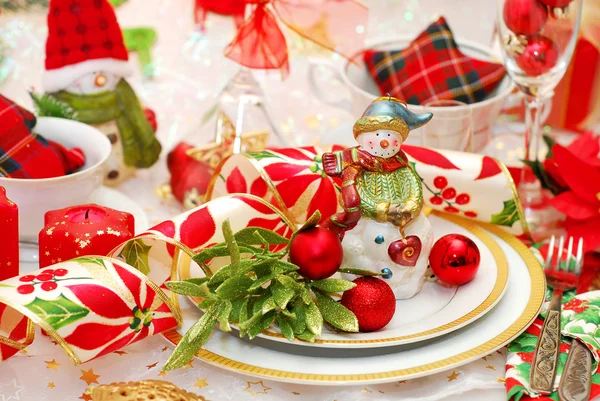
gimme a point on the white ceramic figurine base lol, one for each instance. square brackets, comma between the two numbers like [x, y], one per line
[363, 252]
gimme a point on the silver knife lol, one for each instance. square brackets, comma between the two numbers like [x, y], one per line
[576, 380]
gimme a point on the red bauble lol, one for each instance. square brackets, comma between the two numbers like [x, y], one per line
[525, 17]
[372, 301]
[454, 259]
[556, 3]
[539, 56]
[317, 252]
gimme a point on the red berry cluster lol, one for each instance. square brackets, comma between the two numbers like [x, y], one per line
[47, 279]
[448, 195]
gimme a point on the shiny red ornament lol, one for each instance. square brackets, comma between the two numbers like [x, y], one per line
[525, 17]
[539, 56]
[317, 252]
[372, 301]
[189, 178]
[556, 3]
[454, 259]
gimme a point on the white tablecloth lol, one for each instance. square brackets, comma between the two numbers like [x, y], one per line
[191, 71]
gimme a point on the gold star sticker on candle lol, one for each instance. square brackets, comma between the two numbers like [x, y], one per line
[212, 153]
[258, 387]
[66, 234]
[490, 367]
[99, 232]
[47, 253]
[51, 385]
[153, 365]
[8, 263]
[201, 383]
[453, 376]
[89, 377]
[52, 365]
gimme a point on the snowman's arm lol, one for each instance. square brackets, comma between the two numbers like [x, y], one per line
[334, 163]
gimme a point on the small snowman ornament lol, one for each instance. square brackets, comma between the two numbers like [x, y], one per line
[86, 63]
[381, 226]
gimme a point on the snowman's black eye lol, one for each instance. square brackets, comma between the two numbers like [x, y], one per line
[379, 239]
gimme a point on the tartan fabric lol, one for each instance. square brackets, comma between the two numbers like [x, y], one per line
[432, 67]
[25, 154]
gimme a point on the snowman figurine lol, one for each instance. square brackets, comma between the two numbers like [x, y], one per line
[86, 63]
[381, 226]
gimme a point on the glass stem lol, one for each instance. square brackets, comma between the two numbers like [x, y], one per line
[530, 187]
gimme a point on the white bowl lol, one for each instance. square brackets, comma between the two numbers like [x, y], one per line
[363, 89]
[35, 197]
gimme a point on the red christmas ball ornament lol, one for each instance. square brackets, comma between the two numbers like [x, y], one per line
[556, 3]
[317, 252]
[372, 301]
[454, 259]
[525, 17]
[539, 56]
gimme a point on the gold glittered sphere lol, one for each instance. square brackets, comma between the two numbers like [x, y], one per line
[146, 390]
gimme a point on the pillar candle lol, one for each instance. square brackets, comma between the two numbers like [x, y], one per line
[82, 230]
[9, 237]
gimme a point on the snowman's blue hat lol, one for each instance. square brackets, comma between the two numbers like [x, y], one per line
[392, 114]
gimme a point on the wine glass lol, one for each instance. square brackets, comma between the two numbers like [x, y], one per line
[538, 39]
[450, 128]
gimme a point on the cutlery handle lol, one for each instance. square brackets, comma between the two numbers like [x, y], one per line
[576, 380]
[545, 359]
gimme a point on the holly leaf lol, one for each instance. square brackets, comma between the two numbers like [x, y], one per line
[284, 267]
[307, 336]
[508, 216]
[264, 323]
[247, 236]
[238, 306]
[337, 314]
[359, 272]
[311, 222]
[262, 281]
[263, 154]
[268, 305]
[281, 294]
[332, 285]
[228, 271]
[197, 280]
[224, 315]
[194, 338]
[234, 287]
[206, 303]
[189, 289]
[299, 324]
[290, 283]
[285, 328]
[135, 253]
[545, 179]
[232, 246]
[248, 323]
[59, 312]
[314, 319]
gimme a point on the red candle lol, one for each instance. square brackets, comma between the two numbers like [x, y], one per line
[9, 237]
[82, 230]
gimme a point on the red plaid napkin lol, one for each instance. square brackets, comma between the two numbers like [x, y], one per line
[433, 68]
[25, 154]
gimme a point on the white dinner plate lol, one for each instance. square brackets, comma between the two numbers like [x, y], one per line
[435, 311]
[278, 361]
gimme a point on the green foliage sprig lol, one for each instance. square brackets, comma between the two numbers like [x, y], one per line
[259, 289]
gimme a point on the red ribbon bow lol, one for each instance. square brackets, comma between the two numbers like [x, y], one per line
[260, 43]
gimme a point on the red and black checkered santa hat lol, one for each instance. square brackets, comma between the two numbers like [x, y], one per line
[83, 36]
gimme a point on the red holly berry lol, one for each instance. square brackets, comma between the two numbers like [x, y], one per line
[525, 17]
[49, 286]
[576, 305]
[451, 209]
[317, 252]
[25, 289]
[60, 272]
[26, 279]
[449, 193]
[436, 200]
[463, 199]
[440, 182]
[44, 277]
[49, 271]
[540, 56]
[471, 214]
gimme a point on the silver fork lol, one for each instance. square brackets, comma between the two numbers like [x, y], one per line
[545, 359]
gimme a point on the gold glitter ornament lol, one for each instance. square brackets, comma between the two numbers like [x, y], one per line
[146, 390]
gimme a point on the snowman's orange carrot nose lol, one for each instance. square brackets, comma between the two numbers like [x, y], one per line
[384, 143]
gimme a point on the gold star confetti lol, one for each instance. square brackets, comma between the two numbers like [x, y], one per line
[152, 365]
[366, 390]
[200, 383]
[120, 353]
[484, 358]
[165, 349]
[85, 397]
[51, 385]
[258, 387]
[162, 373]
[52, 365]
[295, 393]
[402, 382]
[453, 376]
[490, 367]
[500, 379]
[89, 377]
[380, 391]
[190, 364]
[497, 352]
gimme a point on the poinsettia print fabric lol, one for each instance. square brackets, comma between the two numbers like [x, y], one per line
[580, 318]
[469, 185]
[15, 332]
